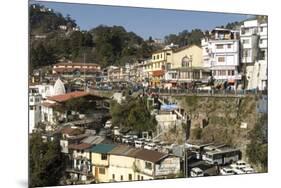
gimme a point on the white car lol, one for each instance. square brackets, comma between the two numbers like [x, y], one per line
[239, 170]
[249, 170]
[196, 172]
[239, 164]
[139, 143]
[226, 171]
[125, 139]
[150, 146]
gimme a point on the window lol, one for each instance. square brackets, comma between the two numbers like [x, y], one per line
[31, 107]
[185, 62]
[229, 46]
[102, 170]
[157, 56]
[103, 157]
[113, 176]
[31, 100]
[220, 59]
[261, 29]
[261, 41]
[219, 46]
[246, 53]
[230, 72]
[121, 178]
[130, 177]
[214, 73]
[148, 165]
[245, 41]
[138, 177]
[141, 177]
[262, 55]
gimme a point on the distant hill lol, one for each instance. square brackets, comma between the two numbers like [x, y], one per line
[54, 37]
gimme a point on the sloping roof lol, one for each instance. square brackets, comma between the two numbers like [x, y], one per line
[124, 150]
[149, 155]
[48, 104]
[93, 140]
[81, 146]
[102, 148]
[71, 131]
[72, 95]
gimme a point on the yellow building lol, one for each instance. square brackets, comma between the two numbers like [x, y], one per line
[185, 66]
[156, 67]
[100, 161]
[176, 65]
[131, 164]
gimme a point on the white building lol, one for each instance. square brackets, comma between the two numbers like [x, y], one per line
[254, 53]
[34, 108]
[221, 55]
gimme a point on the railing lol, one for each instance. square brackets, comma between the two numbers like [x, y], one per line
[213, 92]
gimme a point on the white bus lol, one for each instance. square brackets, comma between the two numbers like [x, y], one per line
[222, 156]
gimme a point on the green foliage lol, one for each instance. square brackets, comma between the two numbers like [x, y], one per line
[191, 101]
[133, 113]
[257, 148]
[185, 38]
[46, 162]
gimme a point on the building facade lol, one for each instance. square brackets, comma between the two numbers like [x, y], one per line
[253, 34]
[221, 54]
[34, 108]
[186, 66]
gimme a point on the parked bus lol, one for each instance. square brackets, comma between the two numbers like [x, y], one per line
[222, 156]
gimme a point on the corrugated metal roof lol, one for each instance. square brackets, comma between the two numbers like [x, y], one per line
[102, 148]
[149, 155]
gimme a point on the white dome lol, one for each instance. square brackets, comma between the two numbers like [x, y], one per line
[59, 88]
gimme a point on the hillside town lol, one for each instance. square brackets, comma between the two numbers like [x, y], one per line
[79, 105]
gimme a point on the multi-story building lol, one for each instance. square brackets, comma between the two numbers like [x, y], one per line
[34, 108]
[70, 70]
[253, 37]
[125, 163]
[186, 66]
[155, 69]
[221, 55]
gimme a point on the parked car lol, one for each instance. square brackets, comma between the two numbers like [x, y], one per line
[150, 146]
[196, 172]
[238, 170]
[226, 171]
[249, 170]
[125, 139]
[139, 143]
[239, 164]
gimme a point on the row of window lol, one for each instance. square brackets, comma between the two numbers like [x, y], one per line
[156, 57]
[223, 72]
[31, 99]
[34, 107]
[221, 46]
[129, 177]
[156, 65]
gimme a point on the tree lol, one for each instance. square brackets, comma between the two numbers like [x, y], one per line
[47, 163]
[257, 148]
[138, 116]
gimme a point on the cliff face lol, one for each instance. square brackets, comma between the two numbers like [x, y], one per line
[225, 120]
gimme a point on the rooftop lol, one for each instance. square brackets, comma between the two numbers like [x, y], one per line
[102, 148]
[71, 131]
[149, 155]
[71, 95]
[81, 146]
